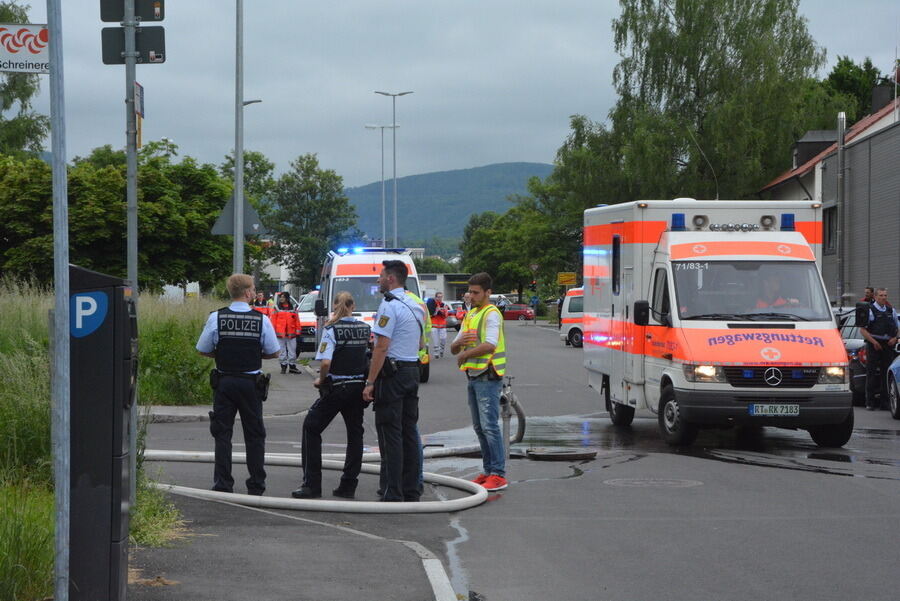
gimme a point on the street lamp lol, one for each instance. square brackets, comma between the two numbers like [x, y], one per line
[394, 124]
[239, 104]
[383, 226]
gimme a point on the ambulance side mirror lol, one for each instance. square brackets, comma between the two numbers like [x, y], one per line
[641, 312]
[862, 315]
[320, 308]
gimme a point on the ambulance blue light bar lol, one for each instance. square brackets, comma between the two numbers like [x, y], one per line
[787, 222]
[678, 222]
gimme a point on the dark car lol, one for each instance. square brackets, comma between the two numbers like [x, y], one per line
[520, 312]
[893, 384]
[856, 355]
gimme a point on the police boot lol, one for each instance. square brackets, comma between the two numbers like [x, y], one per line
[294, 369]
[305, 492]
[283, 368]
[344, 492]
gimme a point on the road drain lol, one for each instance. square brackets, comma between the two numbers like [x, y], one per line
[656, 482]
[559, 454]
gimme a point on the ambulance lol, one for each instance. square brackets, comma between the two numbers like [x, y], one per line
[713, 314]
[356, 271]
[571, 318]
[306, 312]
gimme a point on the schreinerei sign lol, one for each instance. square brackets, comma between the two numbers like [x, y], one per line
[24, 48]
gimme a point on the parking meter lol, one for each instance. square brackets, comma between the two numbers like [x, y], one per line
[103, 339]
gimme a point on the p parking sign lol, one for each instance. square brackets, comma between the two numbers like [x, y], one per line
[87, 311]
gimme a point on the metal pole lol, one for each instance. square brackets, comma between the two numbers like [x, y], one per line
[383, 222]
[60, 335]
[130, 26]
[840, 212]
[239, 140]
[394, 127]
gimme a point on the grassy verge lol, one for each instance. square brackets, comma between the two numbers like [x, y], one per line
[26, 539]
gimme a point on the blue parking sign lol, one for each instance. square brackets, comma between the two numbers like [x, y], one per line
[87, 311]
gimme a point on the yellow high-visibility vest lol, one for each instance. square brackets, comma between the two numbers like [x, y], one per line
[426, 329]
[475, 321]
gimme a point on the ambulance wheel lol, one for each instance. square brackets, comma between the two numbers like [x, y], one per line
[424, 370]
[576, 338]
[674, 430]
[621, 415]
[833, 435]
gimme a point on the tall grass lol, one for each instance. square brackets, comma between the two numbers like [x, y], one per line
[26, 540]
[171, 370]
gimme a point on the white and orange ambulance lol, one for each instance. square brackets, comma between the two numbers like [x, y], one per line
[713, 314]
[306, 312]
[356, 270]
[571, 317]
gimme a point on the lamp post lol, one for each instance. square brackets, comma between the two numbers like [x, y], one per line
[394, 127]
[383, 223]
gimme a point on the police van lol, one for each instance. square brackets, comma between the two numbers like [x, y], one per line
[713, 314]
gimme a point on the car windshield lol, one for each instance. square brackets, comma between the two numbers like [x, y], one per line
[750, 290]
[307, 303]
[365, 291]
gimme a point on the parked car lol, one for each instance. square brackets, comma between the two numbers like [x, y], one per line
[893, 384]
[455, 316]
[520, 312]
[856, 355]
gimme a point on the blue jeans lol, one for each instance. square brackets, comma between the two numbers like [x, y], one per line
[484, 404]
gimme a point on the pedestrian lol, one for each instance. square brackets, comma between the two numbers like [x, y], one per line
[260, 300]
[287, 328]
[342, 376]
[393, 384]
[480, 350]
[238, 338]
[438, 311]
[559, 304]
[869, 296]
[880, 333]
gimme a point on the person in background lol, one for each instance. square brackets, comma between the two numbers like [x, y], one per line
[881, 335]
[869, 296]
[480, 350]
[260, 300]
[238, 382]
[438, 311]
[287, 328]
[342, 376]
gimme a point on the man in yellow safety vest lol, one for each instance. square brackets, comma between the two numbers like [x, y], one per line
[480, 351]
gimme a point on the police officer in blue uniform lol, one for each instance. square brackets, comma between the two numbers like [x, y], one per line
[398, 333]
[238, 338]
[881, 336]
[342, 376]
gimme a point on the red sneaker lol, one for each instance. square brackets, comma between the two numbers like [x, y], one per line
[495, 483]
[480, 479]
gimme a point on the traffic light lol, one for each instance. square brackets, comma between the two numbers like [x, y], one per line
[533, 285]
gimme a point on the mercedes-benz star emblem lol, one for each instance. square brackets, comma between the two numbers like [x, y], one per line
[773, 376]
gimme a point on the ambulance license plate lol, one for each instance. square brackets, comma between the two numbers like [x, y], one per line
[775, 410]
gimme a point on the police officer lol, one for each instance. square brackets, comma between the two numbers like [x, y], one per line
[238, 338]
[342, 376]
[393, 384]
[881, 336]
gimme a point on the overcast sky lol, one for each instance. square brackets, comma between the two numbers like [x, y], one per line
[493, 80]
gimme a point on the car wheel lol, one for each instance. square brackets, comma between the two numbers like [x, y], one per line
[522, 318]
[576, 338]
[894, 397]
[833, 435]
[674, 430]
[424, 371]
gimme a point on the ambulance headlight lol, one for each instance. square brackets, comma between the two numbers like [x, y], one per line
[704, 373]
[833, 374]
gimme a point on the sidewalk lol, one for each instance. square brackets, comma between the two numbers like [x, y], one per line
[289, 394]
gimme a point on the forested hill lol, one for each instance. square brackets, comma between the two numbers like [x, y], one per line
[440, 203]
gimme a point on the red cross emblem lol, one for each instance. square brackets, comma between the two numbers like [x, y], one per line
[699, 249]
[784, 249]
[770, 354]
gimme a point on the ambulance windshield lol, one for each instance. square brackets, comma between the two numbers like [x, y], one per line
[365, 291]
[750, 290]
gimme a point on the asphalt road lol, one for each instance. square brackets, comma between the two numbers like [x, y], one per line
[773, 517]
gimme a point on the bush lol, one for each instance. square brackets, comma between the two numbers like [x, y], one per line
[26, 540]
[171, 370]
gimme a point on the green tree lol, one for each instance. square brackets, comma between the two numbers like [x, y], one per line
[310, 216]
[434, 265]
[855, 81]
[25, 130]
[258, 179]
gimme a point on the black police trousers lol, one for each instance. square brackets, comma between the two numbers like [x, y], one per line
[347, 400]
[238, 395]
[396, 416]
[877, 364]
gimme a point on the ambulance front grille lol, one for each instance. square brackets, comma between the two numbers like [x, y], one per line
[790, 376]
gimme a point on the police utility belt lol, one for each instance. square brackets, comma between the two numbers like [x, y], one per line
[261, 380]
[391, 366]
